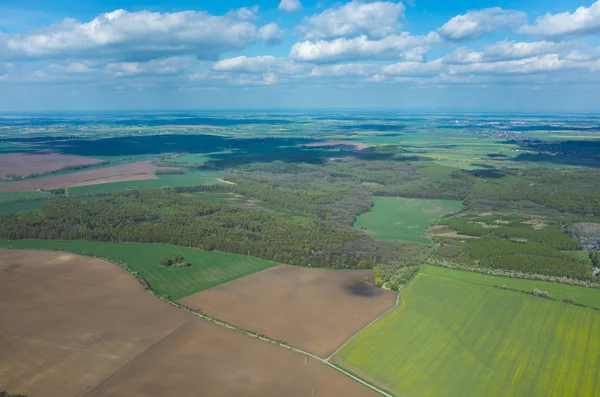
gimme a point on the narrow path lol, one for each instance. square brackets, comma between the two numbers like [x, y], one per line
[365, 327]
[203, 316]
[280, 344]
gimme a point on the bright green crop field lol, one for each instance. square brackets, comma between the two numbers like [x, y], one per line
[207, 269]
[453, 338]
[398, 218]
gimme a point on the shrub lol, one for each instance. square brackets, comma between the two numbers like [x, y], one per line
[543, 294]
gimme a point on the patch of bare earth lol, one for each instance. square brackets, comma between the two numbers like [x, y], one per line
[127, 172]
[68, 321]
[354, 145]
[226, 182]
[313, 309]
[23, 164]
[443, 231]
[536, 223]
[77, 326]
[203, 359]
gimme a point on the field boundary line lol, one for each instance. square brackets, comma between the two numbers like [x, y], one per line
[134, 357]
[278, 343]
[199, 314]
[365, 327]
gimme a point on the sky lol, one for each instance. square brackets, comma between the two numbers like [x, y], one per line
[415, 55]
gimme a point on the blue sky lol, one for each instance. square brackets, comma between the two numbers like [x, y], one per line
[487, 55]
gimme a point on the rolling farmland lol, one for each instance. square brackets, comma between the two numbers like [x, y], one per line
[207, 269]
[68, 321]
[453, 338]
[397, 218]
[89, 329]
[316, 310]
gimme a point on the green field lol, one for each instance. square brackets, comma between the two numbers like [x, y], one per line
[453, 338]
[589, 297]
[398, 218]
[20, 206]
[197, 158]
[189, 179]
[11, 196]
[207, 269]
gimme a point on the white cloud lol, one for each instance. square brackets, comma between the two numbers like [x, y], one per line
[167, 66]
[502, 51]
[415, 69]
[270, 78]
[135, 36]
[585, 20]
[374, 19]
[78, 67]
[348, 69]
[403, 45]
[290, 5]
[474, 24]
[244, 13]
[537, 64]
[260, 64]
[271, 33]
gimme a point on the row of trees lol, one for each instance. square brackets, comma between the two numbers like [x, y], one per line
[158, 216]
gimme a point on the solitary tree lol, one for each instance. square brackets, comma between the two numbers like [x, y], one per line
[166, 262]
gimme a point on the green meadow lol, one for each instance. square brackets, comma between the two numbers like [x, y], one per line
[189, 179]
[17, 206]
[30, 195]
[398, 218]
[207, 269]
[453, 335]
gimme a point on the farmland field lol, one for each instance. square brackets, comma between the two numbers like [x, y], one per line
[64, 324]
[397, 218]
[202, 359]
[20, 206]
[134, 171]
[313, 309]
[12, 196]
[22, 164]
[78, 326]
[207, 269]
[454, 338]
[589, 297]
[188, 179]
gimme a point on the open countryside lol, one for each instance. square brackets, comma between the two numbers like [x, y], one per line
[207, 269]
[451, 337]
[395, 218]
[102, 347]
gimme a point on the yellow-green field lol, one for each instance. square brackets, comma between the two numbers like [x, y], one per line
[453, 338]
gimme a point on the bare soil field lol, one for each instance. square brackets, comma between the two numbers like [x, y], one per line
[203, 359]
[355, 145]
[76, 326]
[316, 310]
[127, 172]
[67, 322]
[23, 164]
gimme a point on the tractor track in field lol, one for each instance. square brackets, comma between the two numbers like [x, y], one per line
[325, 361]
[281, 344]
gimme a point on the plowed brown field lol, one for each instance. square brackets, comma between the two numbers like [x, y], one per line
[23, 164]
[77, 326]
[127, 172]
[316, 310]
[203, 359]
[68, 321]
